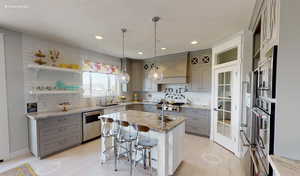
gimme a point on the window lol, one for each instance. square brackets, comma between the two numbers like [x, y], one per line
[227, 56]
[100, 84]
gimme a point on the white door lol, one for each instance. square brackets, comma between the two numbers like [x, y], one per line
[4, 139]
[225, 86]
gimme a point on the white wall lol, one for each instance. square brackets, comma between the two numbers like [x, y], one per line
[19, 49]
[4, 137]
[15, 87]
[69, 55]
[287, 135]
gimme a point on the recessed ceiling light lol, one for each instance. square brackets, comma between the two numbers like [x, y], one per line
[99, 37]
[194, 42]
[140, 53]
[163, 48]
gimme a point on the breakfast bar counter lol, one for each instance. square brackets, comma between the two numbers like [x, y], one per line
[170, 137]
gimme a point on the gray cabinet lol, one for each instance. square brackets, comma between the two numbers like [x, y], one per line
[199, 71]
[137, 75]
[54, 134]
[200, 78]
[150, 108]
[197, 122]
[149, 85]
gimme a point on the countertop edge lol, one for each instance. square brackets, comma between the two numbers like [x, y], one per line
[44, 115]
[283, 166]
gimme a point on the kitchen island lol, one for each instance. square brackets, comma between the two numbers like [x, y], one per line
[170, 136]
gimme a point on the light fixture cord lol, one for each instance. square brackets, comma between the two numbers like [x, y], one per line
[155, 38]
[123, 45]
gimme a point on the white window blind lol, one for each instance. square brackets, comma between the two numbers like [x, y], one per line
[100, 84]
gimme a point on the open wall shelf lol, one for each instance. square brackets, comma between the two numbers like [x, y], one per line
[50, 68]
[55, 92]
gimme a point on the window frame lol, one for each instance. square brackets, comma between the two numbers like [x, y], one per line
[116, 92]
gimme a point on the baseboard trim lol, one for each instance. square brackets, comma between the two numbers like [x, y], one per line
[18, 153]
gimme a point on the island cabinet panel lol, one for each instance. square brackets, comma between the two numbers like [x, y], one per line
[54, 134]
[198, 121]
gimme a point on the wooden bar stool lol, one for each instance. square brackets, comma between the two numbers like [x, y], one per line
[144, 144]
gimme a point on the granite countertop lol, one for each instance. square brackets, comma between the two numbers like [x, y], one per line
[146, 118]
[284, 167]
[43, 115]
[194, 106]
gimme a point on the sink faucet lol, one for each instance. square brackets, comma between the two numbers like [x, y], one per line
[163, 106]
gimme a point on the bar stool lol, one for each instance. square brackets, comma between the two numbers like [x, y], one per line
[144, 144]
[125, 136]
[109, 129]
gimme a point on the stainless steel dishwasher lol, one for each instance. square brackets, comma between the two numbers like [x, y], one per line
[91, 127]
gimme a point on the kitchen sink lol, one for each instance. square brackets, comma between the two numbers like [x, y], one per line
[108, 105]
[167, 118]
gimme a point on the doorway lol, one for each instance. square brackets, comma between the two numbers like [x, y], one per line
[225, 118]
[226, 94]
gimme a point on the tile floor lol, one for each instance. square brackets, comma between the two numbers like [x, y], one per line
[202, 158]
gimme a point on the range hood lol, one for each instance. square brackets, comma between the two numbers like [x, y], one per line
[174, 68]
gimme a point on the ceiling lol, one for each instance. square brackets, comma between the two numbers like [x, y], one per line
[76, 22]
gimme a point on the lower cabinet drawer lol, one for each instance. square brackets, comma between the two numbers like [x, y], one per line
[59, 145]
[199, 127]
[60, 121]
[48, 135]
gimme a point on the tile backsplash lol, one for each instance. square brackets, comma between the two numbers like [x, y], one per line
[197, 98]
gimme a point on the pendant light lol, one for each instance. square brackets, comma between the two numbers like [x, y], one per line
[124, 76]
[155, 74]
